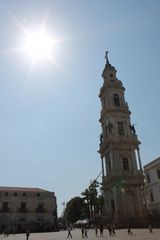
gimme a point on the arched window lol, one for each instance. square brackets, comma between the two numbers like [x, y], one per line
[116, 100]
[111, 75]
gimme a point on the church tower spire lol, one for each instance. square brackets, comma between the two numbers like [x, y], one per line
[119, 150]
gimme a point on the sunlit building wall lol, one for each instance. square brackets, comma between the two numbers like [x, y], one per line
[22, 208]
[152, 186]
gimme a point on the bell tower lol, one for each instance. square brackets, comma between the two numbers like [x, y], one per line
[123, 179]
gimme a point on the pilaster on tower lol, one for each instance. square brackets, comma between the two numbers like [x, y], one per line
[119, 151]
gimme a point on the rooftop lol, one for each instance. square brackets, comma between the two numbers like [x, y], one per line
[21, 189]
[153, 163]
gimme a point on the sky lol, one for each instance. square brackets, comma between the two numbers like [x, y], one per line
[49, 124]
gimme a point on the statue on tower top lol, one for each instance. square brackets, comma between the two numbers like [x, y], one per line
[106, 57]
[108, 66]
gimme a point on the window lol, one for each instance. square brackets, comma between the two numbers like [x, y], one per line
[116, 100]
[15, 194]
[158, 173]
[151, 197]
[148, 178]
[120, 128]
[40, 218]
[38, 194]
[108, 163]
[112, 205]
[111, 77]
[109, 166]
[23, 207]
[125, 164]
[6, 194]
[5, 206]
[106, 131]
[40, 207]
[107, 200]
[24, 194]
[154, 212]
[22, 219]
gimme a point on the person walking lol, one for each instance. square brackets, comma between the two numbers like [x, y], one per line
[101, 230]
[27, 234]
[96, 231]
[129, 230]
[86, 232]
[69, 232]
[82, 231]
[113, 230]
[150, 228]
[109, 229]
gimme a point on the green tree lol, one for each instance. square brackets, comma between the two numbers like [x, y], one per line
[94, 199]
[76, 209]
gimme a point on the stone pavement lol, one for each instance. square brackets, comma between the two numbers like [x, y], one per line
[138, 234]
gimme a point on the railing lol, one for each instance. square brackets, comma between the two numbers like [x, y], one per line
[4, 209]
[40, 210]
[24, 210]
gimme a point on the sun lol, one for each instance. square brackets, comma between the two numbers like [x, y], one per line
[38, 45]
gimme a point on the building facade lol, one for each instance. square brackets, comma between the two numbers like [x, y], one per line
[22, 208]
[152, 186]
[123, 179]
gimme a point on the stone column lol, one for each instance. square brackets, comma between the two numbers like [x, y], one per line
[139, 159]
[102, 166]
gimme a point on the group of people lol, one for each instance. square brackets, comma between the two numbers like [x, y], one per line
[6, 233]
[111, 229]
[84, 231]
[100, 230]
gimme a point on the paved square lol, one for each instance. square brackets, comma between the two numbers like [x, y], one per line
[138, 234]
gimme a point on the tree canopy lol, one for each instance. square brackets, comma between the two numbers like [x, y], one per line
[76, 209]
[90, 205]
[94, 200]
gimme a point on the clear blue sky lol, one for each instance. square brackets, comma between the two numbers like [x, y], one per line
[49, 128]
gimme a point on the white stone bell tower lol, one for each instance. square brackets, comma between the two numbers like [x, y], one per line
[123, 178]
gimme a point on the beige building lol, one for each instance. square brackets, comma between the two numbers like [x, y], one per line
[123, 179]
[32, 208]
[152, 186]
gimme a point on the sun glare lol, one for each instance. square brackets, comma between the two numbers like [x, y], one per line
[38, 45]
